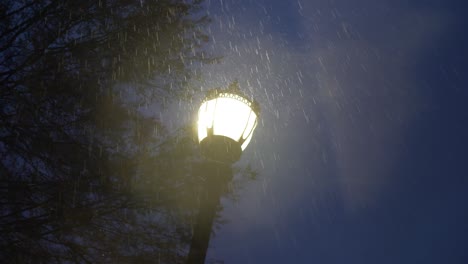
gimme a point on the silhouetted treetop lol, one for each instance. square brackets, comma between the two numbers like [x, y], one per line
[70, 141]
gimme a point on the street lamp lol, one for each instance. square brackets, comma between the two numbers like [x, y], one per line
[226, 121]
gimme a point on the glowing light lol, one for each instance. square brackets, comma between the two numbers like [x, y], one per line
[227, 115]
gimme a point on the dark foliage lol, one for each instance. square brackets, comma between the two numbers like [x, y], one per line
[79, 181]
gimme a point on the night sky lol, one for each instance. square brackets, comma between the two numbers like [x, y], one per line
[361, 146]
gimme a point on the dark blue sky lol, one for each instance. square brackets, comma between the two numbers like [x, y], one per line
[362, 145]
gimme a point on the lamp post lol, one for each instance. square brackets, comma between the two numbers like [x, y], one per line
[226, 121]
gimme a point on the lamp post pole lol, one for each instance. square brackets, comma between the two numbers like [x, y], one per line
[218, 176]
[226, 121]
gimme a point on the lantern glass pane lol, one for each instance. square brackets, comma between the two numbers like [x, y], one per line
[230, 118]
[247, 140]
[250, 125]
[202, 133]
[205, 119]
[206, 113]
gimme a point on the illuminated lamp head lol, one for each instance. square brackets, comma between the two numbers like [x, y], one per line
[226, 121]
